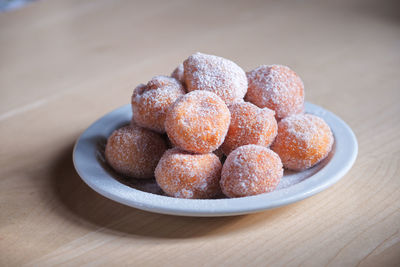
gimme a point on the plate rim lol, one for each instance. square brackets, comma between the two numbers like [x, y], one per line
[344, 156]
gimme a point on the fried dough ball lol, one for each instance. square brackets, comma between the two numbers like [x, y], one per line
[250, 170]
[215, 74]
[134, 151]
[178, 74]
[151, 102]
[278, 88]
[249, 125]
[182, 174]
[198, 122]
[303, 140]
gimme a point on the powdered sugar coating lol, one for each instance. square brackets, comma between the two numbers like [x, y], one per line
[151, 102]
[215, 74]
[303, 140]
[178, 73]
[250, 170]
[198, 122]
[276, 87]
[134, 151]
[249, 125]
[182, 174]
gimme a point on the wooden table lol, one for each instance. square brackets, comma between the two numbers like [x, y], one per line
[63, 64]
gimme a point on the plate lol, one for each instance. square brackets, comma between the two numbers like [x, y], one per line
[145, 195]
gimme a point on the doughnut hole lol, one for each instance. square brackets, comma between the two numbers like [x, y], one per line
[249, 125]
[215, 74]
[178, 74]
[198, 122]
[250, 170]
[183, 174]
[276, 87]
[134, 151]
[303, 140]
[151, 102]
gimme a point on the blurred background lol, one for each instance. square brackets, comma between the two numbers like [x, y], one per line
[131, 41]
[7, 5]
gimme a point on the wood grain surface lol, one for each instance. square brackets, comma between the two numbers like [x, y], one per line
[63, 64]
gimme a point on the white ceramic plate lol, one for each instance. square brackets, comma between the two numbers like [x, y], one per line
[295, 186]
